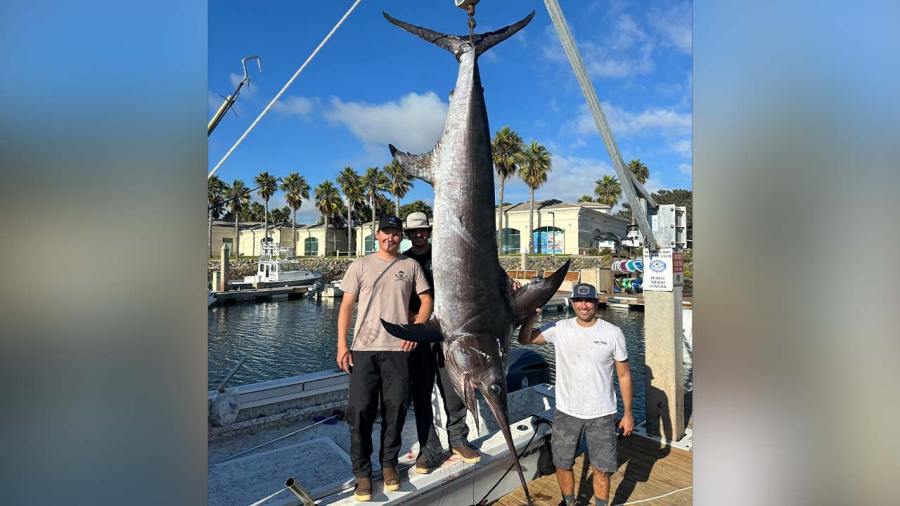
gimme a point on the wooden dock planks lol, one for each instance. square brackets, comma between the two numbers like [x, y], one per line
[647, 469]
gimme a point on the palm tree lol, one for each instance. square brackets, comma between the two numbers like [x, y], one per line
[268, 185]
[608, 190]
[505, 149]
[534, 164]
[640, 171]
[374, 182]
[238, 200]
[295, 189]
[398, 182]
[585, 198]
[215, 191]
[351, 185]
[328, 201]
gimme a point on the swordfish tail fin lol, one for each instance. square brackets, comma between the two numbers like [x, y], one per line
[536, 294]
[458, 44]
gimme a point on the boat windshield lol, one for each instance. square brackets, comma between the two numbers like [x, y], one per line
[289, 267]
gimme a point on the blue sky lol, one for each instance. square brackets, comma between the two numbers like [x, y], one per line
[373, 84]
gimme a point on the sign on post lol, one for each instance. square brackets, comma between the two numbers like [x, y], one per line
[663, 270]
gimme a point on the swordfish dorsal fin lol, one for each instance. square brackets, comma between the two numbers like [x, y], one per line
[417, 166]
[536, 294]
[458, 44]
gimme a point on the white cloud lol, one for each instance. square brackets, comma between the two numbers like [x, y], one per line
[622, 122]
[247, 91]
[686, 168]
[413, 123]
[673, 25]
[625, 51]
[294, 106]
[570, 178]
[682, 147]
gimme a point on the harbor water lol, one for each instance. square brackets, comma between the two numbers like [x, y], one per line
[289, 337]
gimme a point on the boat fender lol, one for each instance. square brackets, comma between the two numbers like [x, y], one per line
[224, 408]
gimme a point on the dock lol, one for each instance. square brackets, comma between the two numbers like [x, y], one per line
[647, 470]
[260, 294]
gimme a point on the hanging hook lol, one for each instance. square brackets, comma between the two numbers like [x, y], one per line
[244, 61]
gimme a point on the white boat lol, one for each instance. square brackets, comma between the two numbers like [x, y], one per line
[242, 471]
[210, 298]
[276, 268]
[333, 290]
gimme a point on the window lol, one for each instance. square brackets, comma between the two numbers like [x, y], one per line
[510, 241]
[310, 247]
[548, 240]
[369, 245]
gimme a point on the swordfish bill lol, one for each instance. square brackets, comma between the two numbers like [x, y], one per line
[475, 311]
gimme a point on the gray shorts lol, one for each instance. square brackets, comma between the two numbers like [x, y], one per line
[600, 434]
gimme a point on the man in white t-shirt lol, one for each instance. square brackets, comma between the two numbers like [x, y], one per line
[588, 350]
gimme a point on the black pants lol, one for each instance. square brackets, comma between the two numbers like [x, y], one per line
[426, 367]
[377, 375]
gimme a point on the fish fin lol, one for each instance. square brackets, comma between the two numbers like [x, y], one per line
[417, 166]
[428, 332]
[536, 294]
[458, 44]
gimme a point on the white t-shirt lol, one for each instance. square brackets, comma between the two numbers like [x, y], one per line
[585, 364]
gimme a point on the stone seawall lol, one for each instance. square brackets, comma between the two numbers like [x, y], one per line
[333, 268]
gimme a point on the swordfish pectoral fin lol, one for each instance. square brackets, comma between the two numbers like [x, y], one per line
[536, 294]
[428, 332]
[417, 166]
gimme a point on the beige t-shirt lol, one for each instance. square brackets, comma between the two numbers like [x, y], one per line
[390, 299]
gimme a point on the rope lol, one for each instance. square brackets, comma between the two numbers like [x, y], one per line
[264, 499]
[508, 469]
[653, 498]
[283, 89]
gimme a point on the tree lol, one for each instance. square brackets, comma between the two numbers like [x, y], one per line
[215, 191]
[585, 198]
[608, 190]
[640, 171]
[351, 185]
[534, 164]
[295, 189]
[374, 182]
[398, 181]
[255, 212]
[268, 185]
[238, 200]
[506, 147]
[328, 202]
[280, 215]
[416, 206]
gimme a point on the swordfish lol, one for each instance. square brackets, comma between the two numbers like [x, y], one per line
[475, 310]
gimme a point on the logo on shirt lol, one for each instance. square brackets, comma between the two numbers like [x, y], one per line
[400, 275]
[600, 342]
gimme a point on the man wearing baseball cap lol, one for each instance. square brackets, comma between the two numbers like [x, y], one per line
[383, 282]
[427, 368]
[587, 351]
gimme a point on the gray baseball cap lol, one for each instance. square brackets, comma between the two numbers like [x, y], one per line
[417, 220]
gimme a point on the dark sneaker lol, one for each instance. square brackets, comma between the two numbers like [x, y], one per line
[468, 454]
[391, 478]
[424, 465]
[363, 490]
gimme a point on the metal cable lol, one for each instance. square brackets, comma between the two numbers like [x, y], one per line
[283, 89]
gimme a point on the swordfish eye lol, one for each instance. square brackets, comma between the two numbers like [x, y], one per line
[495, 389]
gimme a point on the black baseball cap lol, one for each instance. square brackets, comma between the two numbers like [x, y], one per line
[584, 291]
[390, 222]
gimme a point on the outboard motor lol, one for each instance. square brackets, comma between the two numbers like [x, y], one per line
[526, 367]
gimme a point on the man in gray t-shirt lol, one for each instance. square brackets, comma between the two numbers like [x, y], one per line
[382, 283]
[588, 350]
